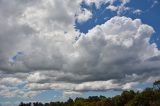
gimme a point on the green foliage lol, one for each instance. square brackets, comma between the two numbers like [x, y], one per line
[148, 97]
[156, 84]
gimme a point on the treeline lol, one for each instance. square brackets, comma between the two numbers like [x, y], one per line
[148, 97]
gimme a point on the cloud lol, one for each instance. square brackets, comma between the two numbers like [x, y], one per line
[84, 16]
[108, 51]
[137, 11]
[155, 2]
[115, 55]
[125, 1]
[29, 25]
[70, 93]
[19, 93]
[10, 81]
[129, 85]
[121, 8]
[96, 86]
[36, 77]
[98, 3]
[9, 104]
[112, 8]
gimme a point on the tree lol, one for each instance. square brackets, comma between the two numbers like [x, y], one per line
[24, 104]
[70, 102]
[127, 96]
[156, 84]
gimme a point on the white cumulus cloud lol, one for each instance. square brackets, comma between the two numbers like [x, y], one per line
[84, 16]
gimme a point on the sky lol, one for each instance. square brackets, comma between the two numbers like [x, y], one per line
[51, 50]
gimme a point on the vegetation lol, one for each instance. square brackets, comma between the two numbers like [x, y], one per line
[148, 97]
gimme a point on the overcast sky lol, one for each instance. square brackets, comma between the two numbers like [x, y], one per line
[55, 49]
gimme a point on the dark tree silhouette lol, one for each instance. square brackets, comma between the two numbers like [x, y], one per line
[156, 84]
